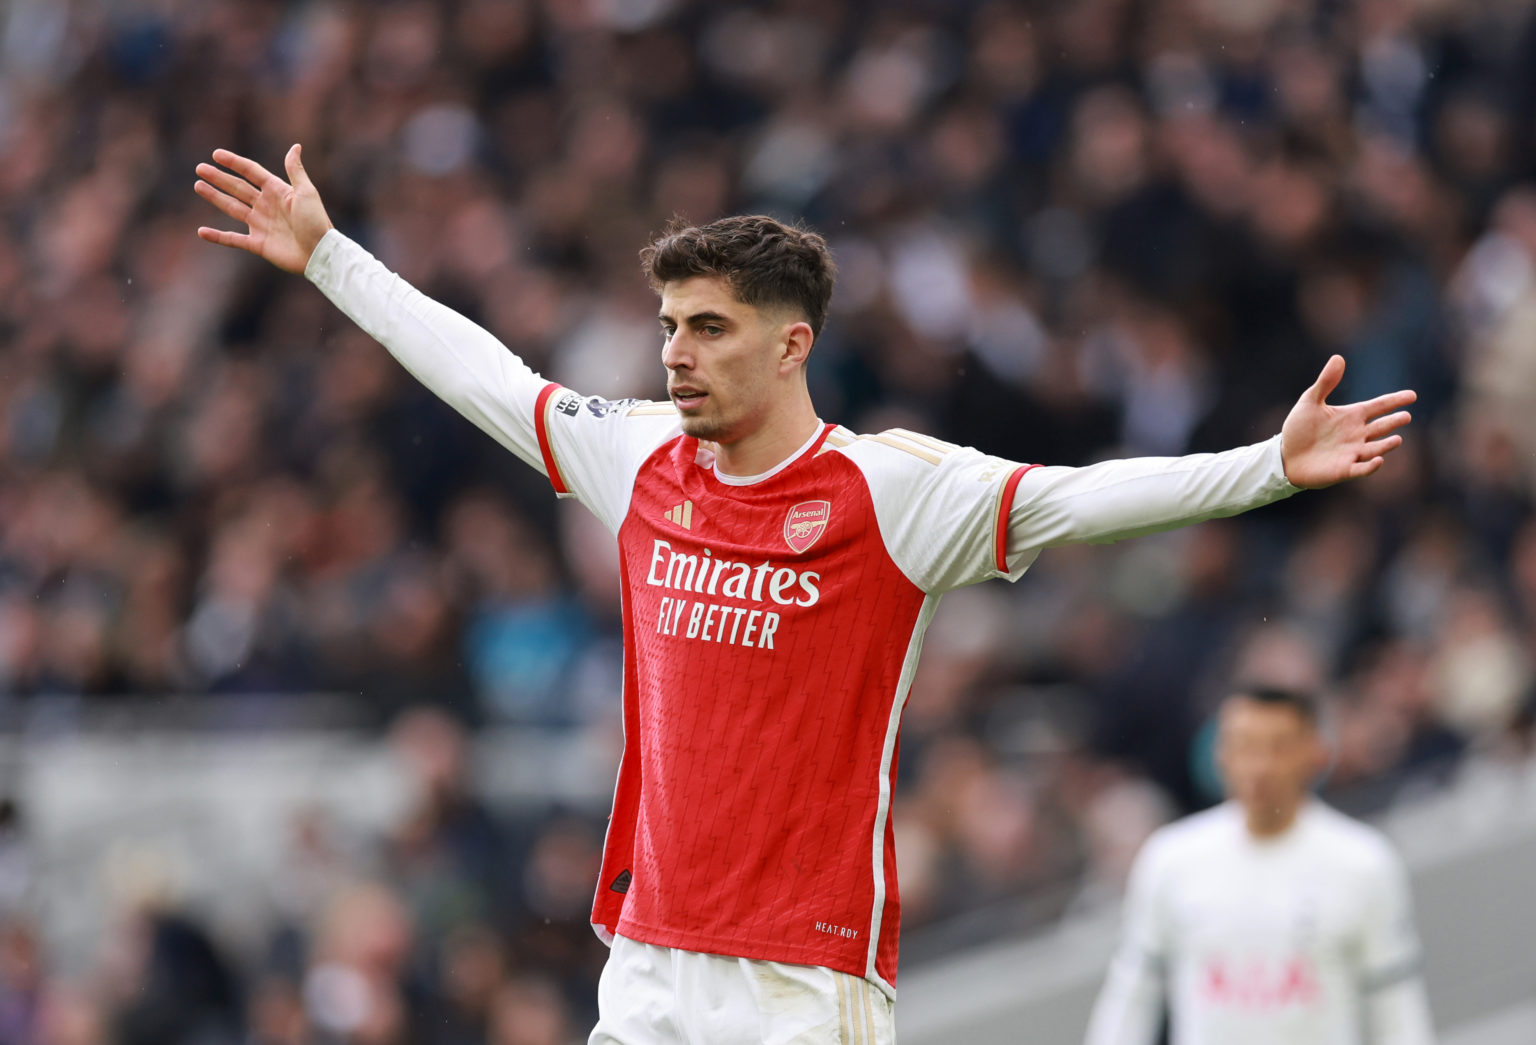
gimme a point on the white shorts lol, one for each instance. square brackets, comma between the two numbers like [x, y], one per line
[651, 995]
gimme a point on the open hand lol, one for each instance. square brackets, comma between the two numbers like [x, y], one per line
[286, 218]
[1322, 445]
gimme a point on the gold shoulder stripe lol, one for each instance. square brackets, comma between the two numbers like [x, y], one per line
[909, 439]
[652, 409]
[898, 443]
[929, 441]
[836, 439]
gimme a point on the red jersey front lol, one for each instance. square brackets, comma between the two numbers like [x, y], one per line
[770, 636]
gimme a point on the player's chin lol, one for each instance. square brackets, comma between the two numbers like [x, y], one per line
[706, 429]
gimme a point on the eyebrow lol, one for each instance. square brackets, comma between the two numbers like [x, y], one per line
[697, 318]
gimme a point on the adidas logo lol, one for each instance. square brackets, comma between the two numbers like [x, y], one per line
[682, 515]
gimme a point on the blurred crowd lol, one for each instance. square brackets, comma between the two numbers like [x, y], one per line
[1066, 231]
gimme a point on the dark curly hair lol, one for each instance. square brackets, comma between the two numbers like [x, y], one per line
[762, 260]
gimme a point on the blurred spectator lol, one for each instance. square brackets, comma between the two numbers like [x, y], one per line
[474, 966]
[186, 991]
[449, 855]
[358, 987]
[164, 976]
[21, 981]
[530, 1011]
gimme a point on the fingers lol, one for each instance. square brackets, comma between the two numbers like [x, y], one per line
[1360, 469]
[1328, 380]
[233, 207]
[293, 163]
[1385, 425]
[225, 239]
[1380, 447]
[226, 182]
[1391, 401]
[250, 170]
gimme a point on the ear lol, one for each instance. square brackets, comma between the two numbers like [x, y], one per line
[798, 339]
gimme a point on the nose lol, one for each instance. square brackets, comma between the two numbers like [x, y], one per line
[676, 354]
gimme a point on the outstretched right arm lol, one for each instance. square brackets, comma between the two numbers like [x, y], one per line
[458, 360]
[461, 362]
[563, 435]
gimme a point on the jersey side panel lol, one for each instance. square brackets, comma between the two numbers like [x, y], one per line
[618, 842]
[885, 917]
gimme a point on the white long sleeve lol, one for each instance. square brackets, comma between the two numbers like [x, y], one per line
[461, 362]
[1114, 500]
[588, 447]
[954, 516]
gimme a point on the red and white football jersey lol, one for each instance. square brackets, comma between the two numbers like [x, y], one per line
[771, 630]
[772, 624]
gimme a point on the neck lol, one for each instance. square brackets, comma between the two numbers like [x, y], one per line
[756, 453]
[1272, 822]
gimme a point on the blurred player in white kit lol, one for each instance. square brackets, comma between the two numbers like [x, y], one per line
[1271, 919]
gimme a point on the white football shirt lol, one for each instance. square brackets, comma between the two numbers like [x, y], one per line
[1303, 939]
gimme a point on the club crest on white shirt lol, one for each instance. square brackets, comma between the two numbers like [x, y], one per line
[805, 524]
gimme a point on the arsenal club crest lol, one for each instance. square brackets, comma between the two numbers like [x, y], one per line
[805, 523]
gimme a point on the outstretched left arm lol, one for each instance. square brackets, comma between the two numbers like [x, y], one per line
[1319, 445]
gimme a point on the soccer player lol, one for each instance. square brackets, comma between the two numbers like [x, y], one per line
[778, 573]
[1271, 919]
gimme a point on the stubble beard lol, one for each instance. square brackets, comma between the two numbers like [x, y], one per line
[705, 429]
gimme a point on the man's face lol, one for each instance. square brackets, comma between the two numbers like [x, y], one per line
[1269, 755]
[724, 359]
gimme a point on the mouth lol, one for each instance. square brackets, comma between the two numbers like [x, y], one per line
[688, 398]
